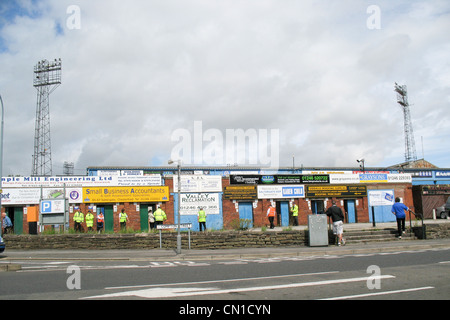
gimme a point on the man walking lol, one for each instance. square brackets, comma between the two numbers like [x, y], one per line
[160, 216]
[337, 216]
[400, 210]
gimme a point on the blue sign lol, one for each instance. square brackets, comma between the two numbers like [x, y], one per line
[297, 191]
[52, 206]
[46, 206]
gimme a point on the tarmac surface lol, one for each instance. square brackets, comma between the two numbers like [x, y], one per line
[236, 253]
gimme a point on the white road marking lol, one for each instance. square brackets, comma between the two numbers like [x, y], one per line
[185, 292]
[225, 280]
[377, 293]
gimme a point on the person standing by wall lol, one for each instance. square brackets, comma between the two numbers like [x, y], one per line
[400, 210]
[78, 219]
[89, 220]
[271, 215]
[100, 221]
[294, 210]
[151, 219]
[201, 215]
[123, 219]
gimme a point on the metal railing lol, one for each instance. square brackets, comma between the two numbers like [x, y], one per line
[416, 215]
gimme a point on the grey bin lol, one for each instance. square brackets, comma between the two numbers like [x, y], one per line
[318, 230]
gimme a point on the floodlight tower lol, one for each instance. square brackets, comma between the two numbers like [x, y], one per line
[402, 100]
[47, 77]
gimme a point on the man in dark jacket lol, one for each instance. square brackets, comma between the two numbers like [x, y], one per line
[337, 216]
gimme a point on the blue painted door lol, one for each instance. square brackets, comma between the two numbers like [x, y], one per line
[284, 212]
[246, 212]
[351, 212]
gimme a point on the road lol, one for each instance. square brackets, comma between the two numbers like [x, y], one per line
[422, 274]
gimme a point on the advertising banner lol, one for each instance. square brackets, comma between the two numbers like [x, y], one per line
[381, 197]
[279, 179]
[19, 196]
[125, 194]
[281, 191]
[192, 202]
[240, 193]
[335, 191]
[81, 181]
[198, 183]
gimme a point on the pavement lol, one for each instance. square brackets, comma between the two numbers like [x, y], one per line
[11, 256]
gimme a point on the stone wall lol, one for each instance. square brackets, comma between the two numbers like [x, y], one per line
[437, 231]
[199, 240]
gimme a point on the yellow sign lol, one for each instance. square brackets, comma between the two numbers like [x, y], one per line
[125, 194]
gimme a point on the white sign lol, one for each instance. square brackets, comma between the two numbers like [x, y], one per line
[192, 202]
[381, 197]
[81, 181]
[198, 183]
[370, 178]
[281, 191]
[52, 206]
[174, 226]
[21, 196]
[344, 178]
[13, 196]
[75, 195]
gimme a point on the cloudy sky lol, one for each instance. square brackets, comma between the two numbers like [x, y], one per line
[318, 74]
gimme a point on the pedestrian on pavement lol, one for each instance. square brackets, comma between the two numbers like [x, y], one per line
[6, 224]
[160, 216]
[78, 219]
[400, 210]
[151, 219]
[337, 216]
[294, 210]
[123, 219]
[100, 221]
[89, 220]
[271, 215]
[201, 215]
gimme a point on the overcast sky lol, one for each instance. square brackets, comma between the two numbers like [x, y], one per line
[320, 73]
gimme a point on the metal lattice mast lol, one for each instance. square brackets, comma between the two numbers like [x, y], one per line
[410, 146]
[47, 77]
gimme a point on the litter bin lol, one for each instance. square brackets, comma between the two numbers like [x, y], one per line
[318, 230]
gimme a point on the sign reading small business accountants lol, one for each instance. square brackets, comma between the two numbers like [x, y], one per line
[125, 194]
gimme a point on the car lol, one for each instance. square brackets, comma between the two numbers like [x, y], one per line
[2, 245]
[443, 211]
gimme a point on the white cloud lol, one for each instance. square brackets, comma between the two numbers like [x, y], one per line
[137, 70]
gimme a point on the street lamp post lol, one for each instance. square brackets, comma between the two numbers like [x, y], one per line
[361, 164]
[179, 201]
